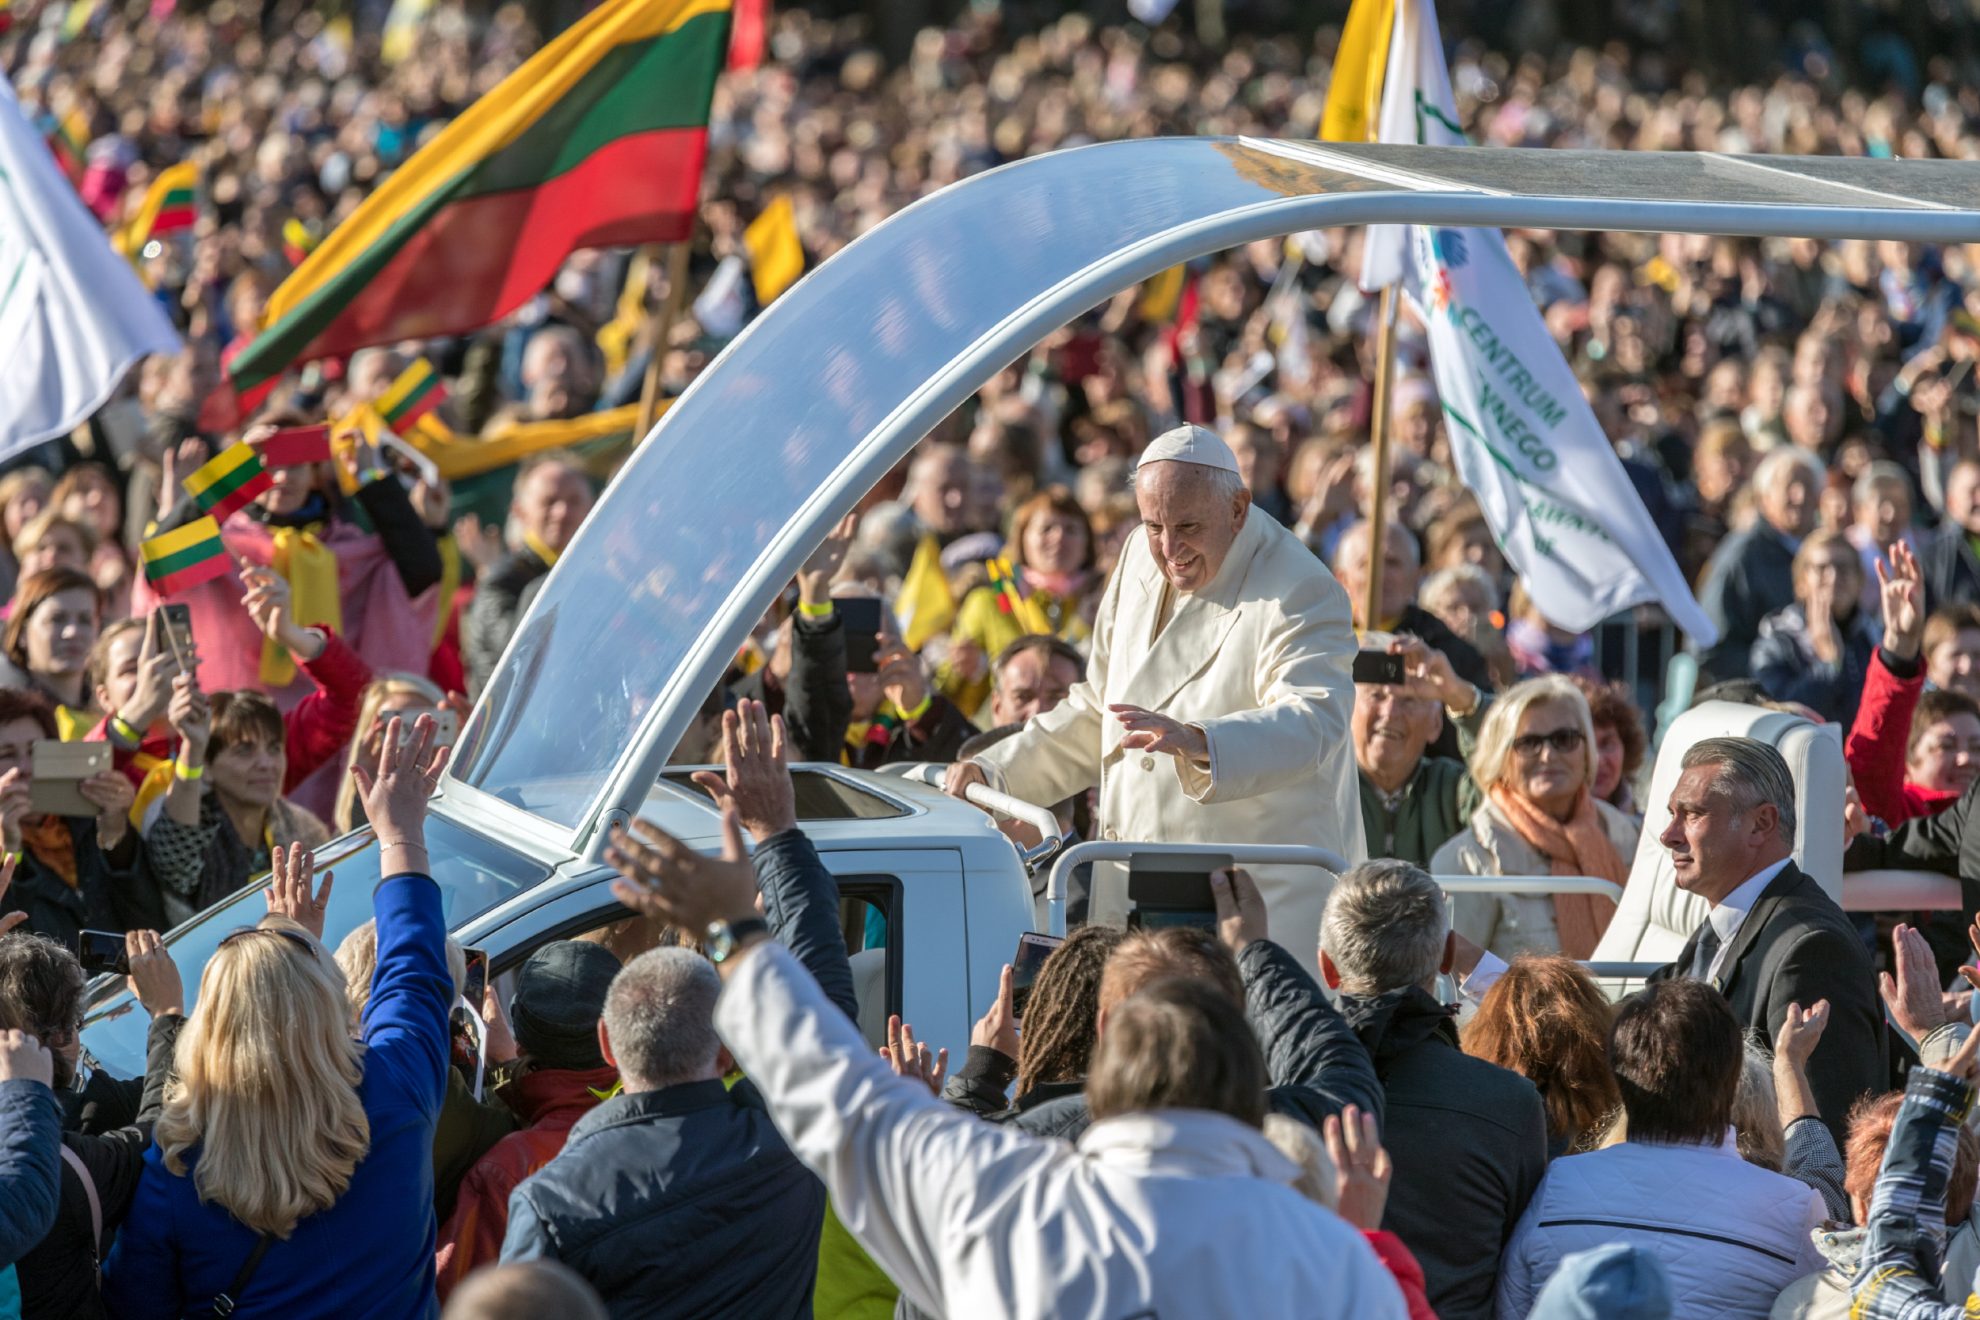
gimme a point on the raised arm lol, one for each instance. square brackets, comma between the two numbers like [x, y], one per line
[405, 1021]
[800, 897]
[1316, 1064]
[905, 1171]
[1898, 1277]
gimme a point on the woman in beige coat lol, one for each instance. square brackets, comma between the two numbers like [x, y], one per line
[1535, 763]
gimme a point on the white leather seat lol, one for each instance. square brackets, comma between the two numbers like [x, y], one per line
[1655, 917]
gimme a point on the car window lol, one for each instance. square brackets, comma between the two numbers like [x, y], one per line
[474, 875]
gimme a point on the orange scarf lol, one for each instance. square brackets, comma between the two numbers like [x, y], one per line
[1580, 846]
[48, 839]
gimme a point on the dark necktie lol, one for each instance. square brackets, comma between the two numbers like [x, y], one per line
[1707, 950]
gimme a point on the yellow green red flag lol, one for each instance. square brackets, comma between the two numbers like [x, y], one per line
[170, 204]
[229, 481]
[597, 140]
[185, 556]
[414, 394]
[1354, 97]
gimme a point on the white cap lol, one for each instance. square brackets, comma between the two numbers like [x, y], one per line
[1189, 444]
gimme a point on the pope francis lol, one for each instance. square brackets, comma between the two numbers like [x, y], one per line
[1216, 701]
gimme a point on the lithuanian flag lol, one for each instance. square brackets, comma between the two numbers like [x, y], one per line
[6, 15]
[185, 556]
[414, 394]
[68, 138]
[596, 141]
[298, 241]
[229, 481]
[170, 204]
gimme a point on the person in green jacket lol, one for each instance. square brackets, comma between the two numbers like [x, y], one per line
[1412, 802]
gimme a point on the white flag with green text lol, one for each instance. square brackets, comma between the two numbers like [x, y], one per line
[1522, 434]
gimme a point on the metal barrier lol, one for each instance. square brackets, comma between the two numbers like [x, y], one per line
[1529, 885]
[1002, 804]
[1899, 891]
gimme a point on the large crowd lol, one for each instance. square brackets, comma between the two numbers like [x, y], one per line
[680, 1114]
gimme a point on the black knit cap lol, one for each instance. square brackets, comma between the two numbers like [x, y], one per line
[560, 995]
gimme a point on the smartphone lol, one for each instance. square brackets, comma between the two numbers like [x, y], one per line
[1032, 951]
[1173, 889]
[475, 984]
[178, 630]
[861, 616]
[1377, 667]
[447, 725]
[59, 770]
[102, 951]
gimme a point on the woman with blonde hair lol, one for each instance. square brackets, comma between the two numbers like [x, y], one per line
[292, 1167]
[387, 695]
[1535, 762]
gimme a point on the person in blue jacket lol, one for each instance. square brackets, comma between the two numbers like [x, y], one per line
[30, 1168]
[292, 1171]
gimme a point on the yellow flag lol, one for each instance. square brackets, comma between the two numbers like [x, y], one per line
[776, 256]
[1354, 97]
[1162, 296]
[926, 606]
[616, 335]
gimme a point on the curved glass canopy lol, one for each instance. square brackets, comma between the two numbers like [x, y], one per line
[831, 386]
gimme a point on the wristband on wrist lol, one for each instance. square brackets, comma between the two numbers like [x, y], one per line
[822, 610]
[912, 715]
[188, 773]
[125, 731]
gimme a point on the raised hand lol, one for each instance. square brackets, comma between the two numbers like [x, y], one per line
[1912, 995]
[662, 877]
[1240, 909]
[12, 919]
[1427, 672]
[1965, 1062]
[157, 667]
[758, 778]
[1823, 635]
[1801, 1031]
[154, 978]
[1149, 732]
[1361, 1167]
[911, 1058]
[288, 892]
[15, 807]
[268, 602]
[395, 796]
[25, 1059]
[997, 1029]
[112, 793]
[902, 680]
[191, 717]
[1901, 585]
[815, 578]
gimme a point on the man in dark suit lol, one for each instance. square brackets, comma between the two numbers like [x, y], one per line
[1952, 569]
[1773, 937]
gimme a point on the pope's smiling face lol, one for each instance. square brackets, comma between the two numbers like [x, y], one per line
[1193, 514]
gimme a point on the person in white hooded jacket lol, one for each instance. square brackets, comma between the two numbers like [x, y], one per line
[1173, 1202]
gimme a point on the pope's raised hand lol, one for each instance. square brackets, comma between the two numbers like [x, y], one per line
[1150, 732]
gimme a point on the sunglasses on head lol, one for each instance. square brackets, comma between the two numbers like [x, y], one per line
[297, 938]
[1563, 741]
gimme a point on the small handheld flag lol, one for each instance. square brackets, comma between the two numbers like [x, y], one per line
[170, 205]
[414, 394]
[185, 556]
[776, 254]
[229, 481]
[297, 446]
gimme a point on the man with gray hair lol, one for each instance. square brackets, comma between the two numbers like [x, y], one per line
[1772, 937]
[1215, 706]
[1468, 1138]
[678, 1195]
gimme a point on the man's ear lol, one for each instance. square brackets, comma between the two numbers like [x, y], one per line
[725, 1062]
[1450, 952]
[1328, 972]
[1240, 507]
[605, 1044]
[1100, 1024]
[1767, 820]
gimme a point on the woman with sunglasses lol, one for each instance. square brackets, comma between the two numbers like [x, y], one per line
[1535, 763]
[292, 1172]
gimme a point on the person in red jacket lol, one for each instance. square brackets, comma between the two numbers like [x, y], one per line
[132, 668]
[560, 995]
[1913, 753]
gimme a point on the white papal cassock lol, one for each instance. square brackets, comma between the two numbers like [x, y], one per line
[1261, 660]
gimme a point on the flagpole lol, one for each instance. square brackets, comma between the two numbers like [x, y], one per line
[663, 328]
[1378, 499]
